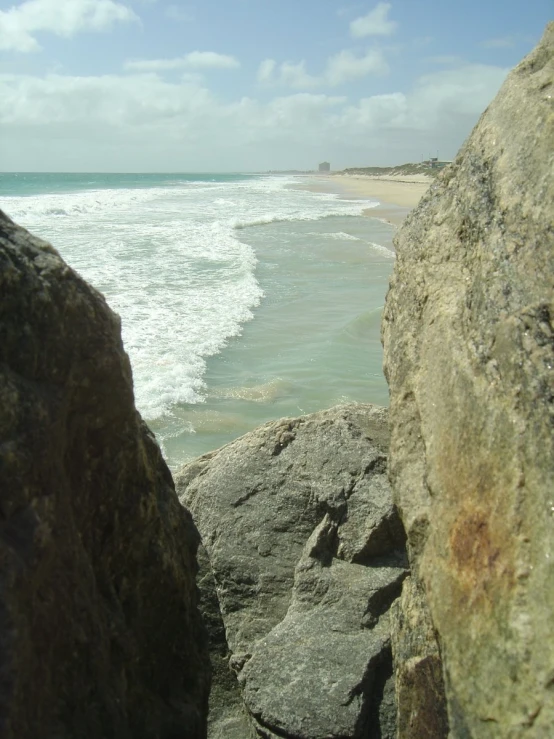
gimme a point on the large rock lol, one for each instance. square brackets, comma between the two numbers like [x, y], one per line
[419, 683]
[468, 331]
[227, 717]
[307, 555]
[101, 635]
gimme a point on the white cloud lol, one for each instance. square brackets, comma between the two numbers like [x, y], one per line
[265, 70]
[111, 100]
[210, 60]
[137, 122]
[506, 42]
[446, 102]
[20, 24]
[451, 94]
[296, 76]
[192, 78]
[340, 68]
[375, 23]
[194, 60]
[378, 111]
[289, 74]
[176, 13]
[345, 66]
[290, 115]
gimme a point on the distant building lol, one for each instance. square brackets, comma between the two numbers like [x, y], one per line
[436, 163]
[324, 167]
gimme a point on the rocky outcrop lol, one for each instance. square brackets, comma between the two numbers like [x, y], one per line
[419, 684]
[468, 331]
[228, 717]
[101, 636]
[307, 554]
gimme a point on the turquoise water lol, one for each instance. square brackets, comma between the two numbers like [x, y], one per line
[42, 183]
[241, 299]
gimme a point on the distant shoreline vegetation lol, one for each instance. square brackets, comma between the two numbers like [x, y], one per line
[401, 169]
[431, 167]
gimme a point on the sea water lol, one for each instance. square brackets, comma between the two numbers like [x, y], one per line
[242, 297]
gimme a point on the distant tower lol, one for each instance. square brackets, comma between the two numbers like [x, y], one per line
[324, 167]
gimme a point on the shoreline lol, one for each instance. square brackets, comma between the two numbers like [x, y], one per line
[396, 195]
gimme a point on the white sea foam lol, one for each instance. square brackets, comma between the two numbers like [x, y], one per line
[170, 261]
[316, 215]
[382, 249]
[338, 236]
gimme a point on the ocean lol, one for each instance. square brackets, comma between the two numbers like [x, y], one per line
[243, 298]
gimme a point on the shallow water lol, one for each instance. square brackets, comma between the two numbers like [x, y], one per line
[315, 337]
[241, 300]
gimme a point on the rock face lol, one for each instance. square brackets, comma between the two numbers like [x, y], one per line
[307, 555]
[101, 636]
[419, 683]
[468, 332]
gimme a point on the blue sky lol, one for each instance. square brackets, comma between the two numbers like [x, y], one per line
[238, 85]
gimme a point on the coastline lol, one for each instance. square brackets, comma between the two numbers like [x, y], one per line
[396, 195]
[280, 314]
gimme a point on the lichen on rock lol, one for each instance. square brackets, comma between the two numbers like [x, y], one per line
[468, 331]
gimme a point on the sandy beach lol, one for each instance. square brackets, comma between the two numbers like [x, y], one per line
[397, 195]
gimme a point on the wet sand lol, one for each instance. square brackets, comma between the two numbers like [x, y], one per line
[397, 195]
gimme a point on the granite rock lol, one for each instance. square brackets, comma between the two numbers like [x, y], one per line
[307, 555]
[227, 714]
[101, 636]
[419, 682]
[468, 331]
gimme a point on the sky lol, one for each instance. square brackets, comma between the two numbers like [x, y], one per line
[250, 85]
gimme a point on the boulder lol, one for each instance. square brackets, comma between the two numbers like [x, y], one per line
[419, 684]
[468, 332]
[101, 636]
[307, 554]
[227, 717]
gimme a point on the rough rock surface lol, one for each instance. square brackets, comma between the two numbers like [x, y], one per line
[468, 331]
[101, 635]
[227, 717]
[307, 554]
[417, 664]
